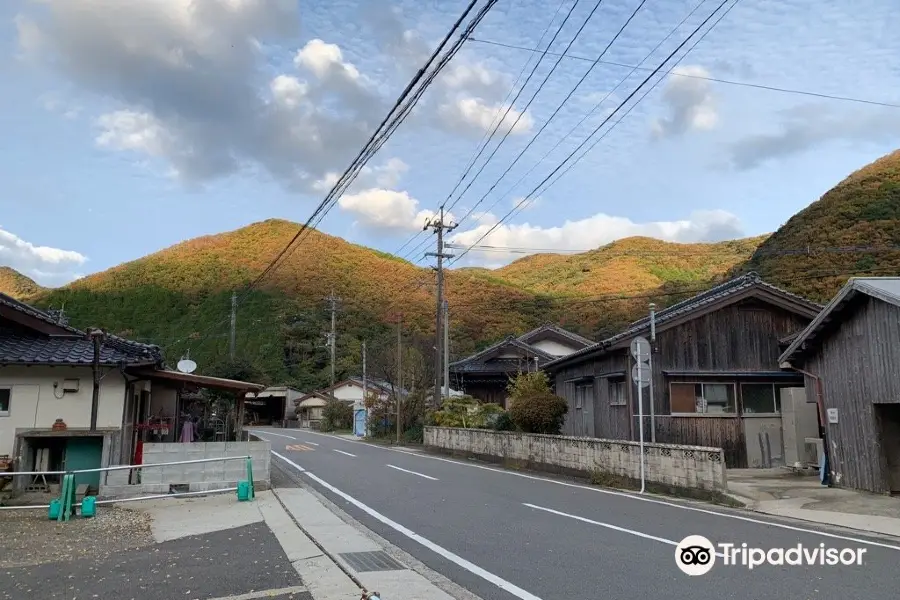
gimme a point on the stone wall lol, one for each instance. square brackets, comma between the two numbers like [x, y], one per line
[197, 477]
[670, 465]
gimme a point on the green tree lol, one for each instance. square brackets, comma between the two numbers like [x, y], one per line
[533, 407]
[337, 415]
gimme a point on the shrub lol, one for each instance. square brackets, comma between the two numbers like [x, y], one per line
[533, 407]
[467, 412]
[337, 415]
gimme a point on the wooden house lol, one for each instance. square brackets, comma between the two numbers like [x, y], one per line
[715, 379]
[485, 375]
[850, 356]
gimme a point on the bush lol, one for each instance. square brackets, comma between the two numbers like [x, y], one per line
[503, 422]
[337, 415]
[466, 412]
[533, 407]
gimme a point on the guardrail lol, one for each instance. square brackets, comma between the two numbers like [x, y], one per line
[62, 508]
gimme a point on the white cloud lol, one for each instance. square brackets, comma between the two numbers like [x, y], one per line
[385, 209]
[476, 115]
[811, 126]
[45, 264]
[191, 82]
[689, 103]
[595, 231]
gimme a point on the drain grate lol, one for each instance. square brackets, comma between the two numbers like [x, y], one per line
[379, 560]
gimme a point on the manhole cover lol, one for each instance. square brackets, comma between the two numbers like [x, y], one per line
[378, 560]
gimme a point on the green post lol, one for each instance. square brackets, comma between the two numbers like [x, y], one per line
[250, 478]
[67, 497]
[245, 488]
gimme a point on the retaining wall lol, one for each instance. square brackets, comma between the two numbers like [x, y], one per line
[197, 477]
[670, 465]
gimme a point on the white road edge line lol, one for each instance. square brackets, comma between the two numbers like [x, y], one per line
[455, 559]
[835, 536]
[289, 461]
[413, 473]
[342, 452]
[311, 443]
[290, 437]
[608, 526]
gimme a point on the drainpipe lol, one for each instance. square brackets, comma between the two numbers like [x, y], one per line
[823, 421]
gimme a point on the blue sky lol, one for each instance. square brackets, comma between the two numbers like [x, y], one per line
[129, 127]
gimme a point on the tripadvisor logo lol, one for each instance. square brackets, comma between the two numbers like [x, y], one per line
[696, 555]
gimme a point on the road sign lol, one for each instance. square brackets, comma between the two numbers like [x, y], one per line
[640, 374]
[640, 349]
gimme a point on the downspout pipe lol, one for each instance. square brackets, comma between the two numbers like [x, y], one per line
[823, 421]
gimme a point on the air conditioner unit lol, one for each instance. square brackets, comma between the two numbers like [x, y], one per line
[813, 450]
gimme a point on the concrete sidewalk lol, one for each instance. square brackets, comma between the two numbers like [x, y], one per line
[784, 493]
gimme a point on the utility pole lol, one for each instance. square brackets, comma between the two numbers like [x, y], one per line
[439, 226]
[399, 369]
[96, 336]
[650, 368]
[365, 387]
[446, 349]
[332, 306]
[233, 325]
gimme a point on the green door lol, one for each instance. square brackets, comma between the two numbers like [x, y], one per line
[85, 453]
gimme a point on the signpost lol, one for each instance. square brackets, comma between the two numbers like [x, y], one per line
[640, 374]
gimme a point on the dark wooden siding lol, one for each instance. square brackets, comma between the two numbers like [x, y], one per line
[859, 366]
[726, 433]
[604, 420]
[486, 390]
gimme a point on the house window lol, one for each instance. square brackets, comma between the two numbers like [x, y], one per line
[584, 394]
[616, 392]
[761, 398]
[5, 396]
[702, 398]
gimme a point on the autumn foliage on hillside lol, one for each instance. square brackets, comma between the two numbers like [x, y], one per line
[852, 230]
[13, 283]
[180, 297]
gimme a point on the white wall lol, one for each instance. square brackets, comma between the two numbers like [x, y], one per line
[33, 404]
[554, 348]
[352, 393]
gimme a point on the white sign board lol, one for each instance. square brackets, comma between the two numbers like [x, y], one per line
[640, 374]
[640, 349]
[832, 415]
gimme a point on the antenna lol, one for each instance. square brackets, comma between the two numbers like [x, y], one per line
[186, 365]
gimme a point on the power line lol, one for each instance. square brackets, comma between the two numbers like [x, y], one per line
[377, 139]
[509, 107]
[561, 104]
[619, 107]
[759, 86]
[598, 105]
[485, 139]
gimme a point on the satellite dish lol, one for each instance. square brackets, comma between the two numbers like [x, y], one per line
[187, 365]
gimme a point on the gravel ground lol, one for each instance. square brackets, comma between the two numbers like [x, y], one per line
[29, 538]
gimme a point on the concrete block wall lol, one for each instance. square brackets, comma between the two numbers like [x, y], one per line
[204, 476]
[692, 467]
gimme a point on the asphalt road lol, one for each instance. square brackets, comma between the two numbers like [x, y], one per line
[504, 534]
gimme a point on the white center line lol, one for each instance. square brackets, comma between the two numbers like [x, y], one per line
[413, 473]
[342, 452]
[439, 550]
[608, 526]
[311, 443]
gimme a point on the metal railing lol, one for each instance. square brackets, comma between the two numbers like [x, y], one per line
[65, 504]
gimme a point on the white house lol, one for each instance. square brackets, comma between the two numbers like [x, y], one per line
[47, 373]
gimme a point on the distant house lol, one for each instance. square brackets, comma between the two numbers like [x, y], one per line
[350, 391]
[486, 374]
[46, 388]
[850, 356]
[716, 376]
[273, 405]
[309, 408]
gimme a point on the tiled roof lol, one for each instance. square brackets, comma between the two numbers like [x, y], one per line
[19, 345]
[886, 289]
[527, 337]
[715, 294]
[472, 364]
[384, 386]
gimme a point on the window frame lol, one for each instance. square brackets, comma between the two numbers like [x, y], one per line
[776, 401]
[620, 384]
[734, 399]
[579, 399]
[8, 390]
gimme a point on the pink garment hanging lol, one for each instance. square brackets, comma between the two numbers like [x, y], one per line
[187, 432]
